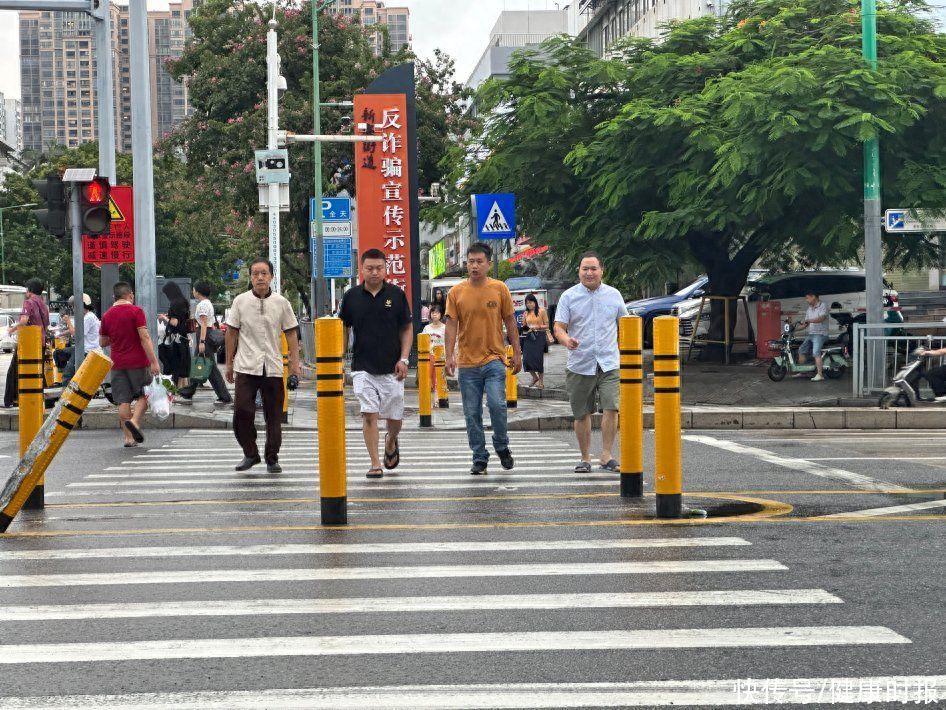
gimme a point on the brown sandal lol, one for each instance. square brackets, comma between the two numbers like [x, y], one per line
[375, 473]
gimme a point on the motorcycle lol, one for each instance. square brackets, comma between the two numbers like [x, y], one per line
[835, 363]
[904, 391]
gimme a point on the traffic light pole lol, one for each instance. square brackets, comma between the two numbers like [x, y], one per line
[78, 286]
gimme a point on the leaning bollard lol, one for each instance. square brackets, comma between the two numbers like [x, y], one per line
[330, 398]
[31, 374]
[51, 436]
[285, 379]
[632, 408]
[512, 383]
[424, 404]
[440, 376]
[667, 435]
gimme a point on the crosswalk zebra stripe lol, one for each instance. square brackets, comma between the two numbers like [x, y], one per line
[387, 605]
[138, 475]
[275, 482]
[370, 548]
[484, 484]
[390, 644]
[517, 696]
[11, 581]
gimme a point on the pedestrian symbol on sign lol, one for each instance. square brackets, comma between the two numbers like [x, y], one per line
[495, 220]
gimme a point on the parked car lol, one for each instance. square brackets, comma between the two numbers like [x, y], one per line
[845, 288]
[650, 308]
[7, 339]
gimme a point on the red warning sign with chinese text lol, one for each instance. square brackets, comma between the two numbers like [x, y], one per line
[117, 247]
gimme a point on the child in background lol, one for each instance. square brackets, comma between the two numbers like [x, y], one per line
[436, 329]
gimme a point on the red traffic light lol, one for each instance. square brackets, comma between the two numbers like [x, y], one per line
[95, 192]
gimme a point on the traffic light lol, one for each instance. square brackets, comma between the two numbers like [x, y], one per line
[93, 206]
[53, 194]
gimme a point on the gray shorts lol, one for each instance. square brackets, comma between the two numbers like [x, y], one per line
[583, 388]
[127, 385]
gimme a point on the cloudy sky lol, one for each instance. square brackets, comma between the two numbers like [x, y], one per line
[461, 27]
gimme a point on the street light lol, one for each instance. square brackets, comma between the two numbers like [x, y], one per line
[3, 254]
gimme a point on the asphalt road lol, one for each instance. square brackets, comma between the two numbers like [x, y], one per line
[159, 577]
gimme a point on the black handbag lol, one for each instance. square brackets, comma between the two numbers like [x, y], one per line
[213, 340]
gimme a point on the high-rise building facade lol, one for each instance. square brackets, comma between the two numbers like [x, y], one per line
[167, 33]
[11, 131]
[374, 12]
[607, 21]
[58, 70]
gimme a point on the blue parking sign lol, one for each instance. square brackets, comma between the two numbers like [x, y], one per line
[334, 209]
[495, 215]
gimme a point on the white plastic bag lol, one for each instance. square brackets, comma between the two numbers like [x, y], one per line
[158, 400]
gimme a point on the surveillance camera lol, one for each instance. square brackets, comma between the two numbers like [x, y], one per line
[281, 86]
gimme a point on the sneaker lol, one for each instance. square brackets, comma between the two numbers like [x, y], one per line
[478, 468]
[817, 378]
[506, 459]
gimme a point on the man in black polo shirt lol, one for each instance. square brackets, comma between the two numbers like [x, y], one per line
[380, 317]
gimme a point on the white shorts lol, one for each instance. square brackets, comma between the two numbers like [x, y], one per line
[379, 394]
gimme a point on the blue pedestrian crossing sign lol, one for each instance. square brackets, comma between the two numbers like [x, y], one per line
[495, 215]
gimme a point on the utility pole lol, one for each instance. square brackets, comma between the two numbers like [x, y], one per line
[78, 285]
[272, 143]
[105, 100]
[145, 268]
[873, 245]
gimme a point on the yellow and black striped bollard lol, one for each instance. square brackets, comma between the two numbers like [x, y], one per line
[632, 407]
[424, 403]
[440, 375]
[31, 374]
[57, 373]
[667, 436]
[512, 382]
[330, 398]
[46, 444]
[285, 379]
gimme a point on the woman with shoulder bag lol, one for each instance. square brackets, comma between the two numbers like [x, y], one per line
[535, 323]
[209, 341]
[174, 350]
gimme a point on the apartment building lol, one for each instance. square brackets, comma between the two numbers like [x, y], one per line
[374, 12]
[606, 21]
[11, 132]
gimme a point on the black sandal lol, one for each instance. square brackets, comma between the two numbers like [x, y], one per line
[135, 432]
[391, 460]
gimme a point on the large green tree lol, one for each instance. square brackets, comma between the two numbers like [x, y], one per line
[732, 140]
[224, 65]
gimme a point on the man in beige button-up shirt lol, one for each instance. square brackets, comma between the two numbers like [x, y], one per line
[255, 325]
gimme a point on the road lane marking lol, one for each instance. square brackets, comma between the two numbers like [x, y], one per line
[14, 581]
[139, 475]
[275, 482]
[855, 480]
[396, 644]
[369, 548]
[890, 510]
[386, 605]
[516, 696]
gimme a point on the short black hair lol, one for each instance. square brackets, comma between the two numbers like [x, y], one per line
[203, 288]
[263, 260]
[481, 248]
[436, 307]
[591, 255]
[122, 289]
[35, 286]
[373, 254]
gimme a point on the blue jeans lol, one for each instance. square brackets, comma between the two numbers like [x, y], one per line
[490, 378]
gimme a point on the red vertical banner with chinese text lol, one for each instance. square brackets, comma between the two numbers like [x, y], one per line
[383, 187]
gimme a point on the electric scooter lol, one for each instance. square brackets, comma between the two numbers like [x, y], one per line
[904, 391]
[783, 364]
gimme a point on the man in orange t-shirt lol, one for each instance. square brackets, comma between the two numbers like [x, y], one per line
[477, 310]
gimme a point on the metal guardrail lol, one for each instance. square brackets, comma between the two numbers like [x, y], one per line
[307, 334]
[873, 375]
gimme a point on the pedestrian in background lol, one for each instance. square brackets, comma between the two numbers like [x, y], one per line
[209, 341]
[34, 312]
[437, 331]
[257, 320]
[586, 322]
[134, 363]
[816, 320]
[380, 319]
[439, 299]
[90, 335]
[535, 332]
[477, 310]
[174, 350]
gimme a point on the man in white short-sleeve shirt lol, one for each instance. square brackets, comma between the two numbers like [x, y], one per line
[257, 320]
[816, 320]
[204, 315]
